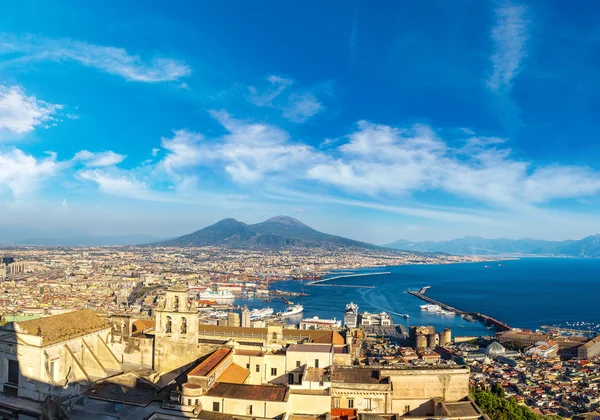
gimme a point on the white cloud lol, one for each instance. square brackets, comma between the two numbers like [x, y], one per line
[119, 183]
[379, 159]
[112, 60]
[301, 107]
[265, 97]
[295, 107]
[509, 34]
[100, 159]
[22, 173]
[20, 113]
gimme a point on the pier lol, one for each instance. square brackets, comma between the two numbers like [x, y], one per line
[356, 286]
[487, 320]
[344, 276]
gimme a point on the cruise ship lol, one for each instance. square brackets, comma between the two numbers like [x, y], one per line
[292, 310]
[260, 313]
[437, 309]
[216, 294]
[351, 315]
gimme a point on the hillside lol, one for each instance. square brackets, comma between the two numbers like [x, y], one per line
[279, 231]
[473, 245]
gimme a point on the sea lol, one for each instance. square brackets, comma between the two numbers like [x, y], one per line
[524, 293]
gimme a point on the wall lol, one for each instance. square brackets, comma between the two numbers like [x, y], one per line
[239, 407]
[308, 404]
[415, 387]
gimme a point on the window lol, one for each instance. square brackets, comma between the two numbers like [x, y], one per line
[249, 410]
[53, 370]
[189, 401]
[290, 378]
[297, 363]
[274, 336]
[368, 404]
[350, 403]
[216, 406]
[176, 304]
[183, 329]
[168, 326]
[258, 368]
[406, 409]
[13, 372]
[273, 371]
[248, 366]
[316, 363]
[336, 403]
[196, 401]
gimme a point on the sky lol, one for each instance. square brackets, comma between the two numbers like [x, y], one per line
[377, 121]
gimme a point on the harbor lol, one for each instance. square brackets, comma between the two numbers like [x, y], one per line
[469, 316]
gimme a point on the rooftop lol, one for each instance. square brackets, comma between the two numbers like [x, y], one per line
[270, 393]
[310, 348]
[57, 328]
[211, 362]
[234, 374]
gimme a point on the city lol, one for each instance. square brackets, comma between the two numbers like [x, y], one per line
[299, 210]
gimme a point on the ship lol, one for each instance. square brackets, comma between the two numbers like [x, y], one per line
[431, 308]
[292, 310]
[315, 320]
[351, 315]
[216, 294]
[260, 313]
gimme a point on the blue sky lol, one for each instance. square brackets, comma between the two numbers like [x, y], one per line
[373, 120]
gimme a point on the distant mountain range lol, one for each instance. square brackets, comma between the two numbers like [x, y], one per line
[18, 236]
[474, 245]
[278, 231]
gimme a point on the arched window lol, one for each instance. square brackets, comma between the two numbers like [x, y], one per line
[275, 336]
[183, 329]
[168, 326]
[176, 304]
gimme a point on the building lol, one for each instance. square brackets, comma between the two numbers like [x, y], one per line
[51, 357]
[590, 349]
[245, 318]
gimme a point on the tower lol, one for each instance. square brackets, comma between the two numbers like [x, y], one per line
[176, 331]
[245, 317]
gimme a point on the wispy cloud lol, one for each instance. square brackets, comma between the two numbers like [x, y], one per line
[100, 159]
[20, 113]
[295, 105]
[301, 107]
[509, 35]
[113, 60]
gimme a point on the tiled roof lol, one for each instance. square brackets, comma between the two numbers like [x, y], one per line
[210, 363]
[234, 374]
[270, 393]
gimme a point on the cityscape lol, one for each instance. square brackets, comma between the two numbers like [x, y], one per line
[341, 210]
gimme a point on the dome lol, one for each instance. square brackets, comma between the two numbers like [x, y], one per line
[495, 349]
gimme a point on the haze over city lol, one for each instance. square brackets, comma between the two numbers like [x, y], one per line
[409, 121]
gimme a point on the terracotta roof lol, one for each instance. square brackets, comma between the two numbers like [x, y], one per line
[140, 325]
[311, 348]
[234, 374]
[270, 393]
[57, 328]
[211, 362]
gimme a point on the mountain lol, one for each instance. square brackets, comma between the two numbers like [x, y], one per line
[88, 240]
[16, 235]
[278, 231]
[474, 245]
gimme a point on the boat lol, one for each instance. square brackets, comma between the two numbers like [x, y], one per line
[292, 310]
[431, 308]
[260, 313]
[216, 294]
[351, 315]
[406, 316]
[446, 313]
[315, 320]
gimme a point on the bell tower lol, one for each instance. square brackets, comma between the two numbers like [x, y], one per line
[176, 331]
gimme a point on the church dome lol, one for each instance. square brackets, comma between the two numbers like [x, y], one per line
[495, 349]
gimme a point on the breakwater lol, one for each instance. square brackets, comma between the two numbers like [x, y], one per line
[344, 276]
[469, 316]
